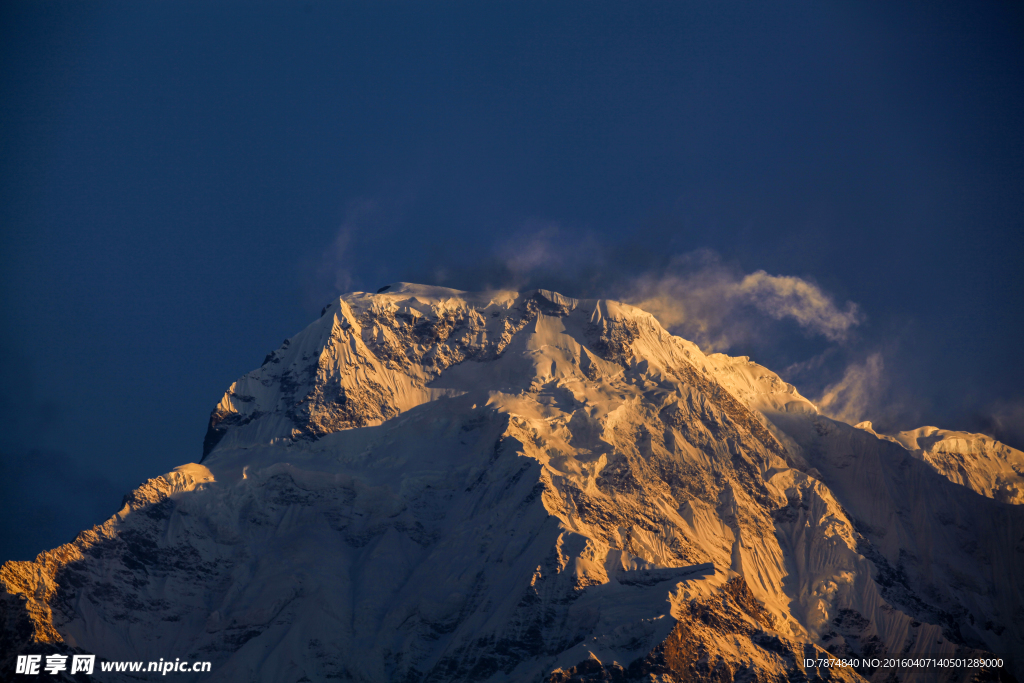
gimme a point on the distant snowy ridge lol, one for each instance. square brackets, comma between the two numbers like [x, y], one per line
[434, 485]
[976, 461]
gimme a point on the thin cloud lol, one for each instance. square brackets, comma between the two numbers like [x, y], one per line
[536, 250]
[541, 254]
[858, 394]
[791, 297]
[1004, 421]
[718, 306]
[336, 263]
[337, 269]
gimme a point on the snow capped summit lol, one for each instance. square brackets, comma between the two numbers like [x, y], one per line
[976, 461]
[372, 356]
[434, 485]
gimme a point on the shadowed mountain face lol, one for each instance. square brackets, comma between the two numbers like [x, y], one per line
[434, 485]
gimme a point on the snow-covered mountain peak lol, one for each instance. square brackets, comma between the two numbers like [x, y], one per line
[432, 485]
[976, 461]
[373, 356]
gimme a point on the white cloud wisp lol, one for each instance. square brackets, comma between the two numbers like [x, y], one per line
[705, 301]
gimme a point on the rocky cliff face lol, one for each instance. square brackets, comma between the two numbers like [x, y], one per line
[432, 485]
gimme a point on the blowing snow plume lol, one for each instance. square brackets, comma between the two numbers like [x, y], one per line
[857, 392]
[704, 301]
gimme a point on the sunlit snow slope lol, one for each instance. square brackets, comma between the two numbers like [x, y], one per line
[433, 485]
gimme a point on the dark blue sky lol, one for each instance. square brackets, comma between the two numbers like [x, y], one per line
[183, 185]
